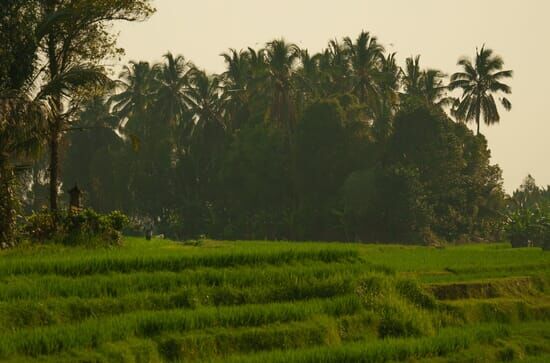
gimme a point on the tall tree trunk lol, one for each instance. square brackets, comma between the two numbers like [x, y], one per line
[8, 202]
[54, 167]
[56, 126]
[478, 117]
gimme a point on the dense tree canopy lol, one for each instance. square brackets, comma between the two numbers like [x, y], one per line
[339, 145]
[343, 144]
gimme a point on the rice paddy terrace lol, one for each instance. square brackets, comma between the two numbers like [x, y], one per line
[275, 302]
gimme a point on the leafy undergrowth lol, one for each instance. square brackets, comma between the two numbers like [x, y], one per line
[274, 302]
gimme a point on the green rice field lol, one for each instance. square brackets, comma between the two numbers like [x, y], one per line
[215, 301]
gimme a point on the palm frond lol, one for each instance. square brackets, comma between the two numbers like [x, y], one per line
[74, 78]
[506, 103]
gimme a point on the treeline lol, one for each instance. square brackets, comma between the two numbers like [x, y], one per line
[340, 145]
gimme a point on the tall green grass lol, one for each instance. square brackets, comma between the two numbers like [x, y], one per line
[85, 265]
[29, 313]
[457, 260]
[117, 284]
[502, 310]
[201, 346]
[271, 302]
[490, 288]
[93, 332]
[395, 350]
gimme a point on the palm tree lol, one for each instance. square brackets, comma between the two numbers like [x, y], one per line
[237, 75]
[390, 77]
[238, 83]
[136, 81]
[64, 94]
[434, 90]
[169, 86]
[384, 107]
[172, 80]
[258, 68]
[426, 84]
[479, 82]
[366, 57]
[280, 59]
[308, 76]
[207, 103]
[334, 69]
[412, 75]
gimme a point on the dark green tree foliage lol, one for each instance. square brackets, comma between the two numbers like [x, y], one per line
[18, 23]
[435, 181]
[528, 215]
[529, 194]
[322, 163]
[97, 159]
[428, 152]
[340, 145]
[22, 118]
[256, 185]
[451, 166]
[77, 40]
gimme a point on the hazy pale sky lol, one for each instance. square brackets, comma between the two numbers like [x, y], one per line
[440, 30]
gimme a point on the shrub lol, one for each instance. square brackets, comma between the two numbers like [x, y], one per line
[399, 319]
[529, 226]
[40, 226]
[371, 289]
[76, 227]
[415, 294]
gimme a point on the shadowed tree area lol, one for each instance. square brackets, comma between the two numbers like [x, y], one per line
[339, 145]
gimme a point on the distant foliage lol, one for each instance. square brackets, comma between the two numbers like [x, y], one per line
[528, 215]
[529, 227]
[339, 145]
[435, 182]
[84, 227]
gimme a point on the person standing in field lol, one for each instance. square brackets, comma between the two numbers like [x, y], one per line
[148, 230]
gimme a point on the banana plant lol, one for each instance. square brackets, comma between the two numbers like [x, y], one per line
[528, 227]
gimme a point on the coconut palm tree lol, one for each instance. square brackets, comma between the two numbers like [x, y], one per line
[434, 90]
[390, 77]
[171, 82]
[384, 107]
[334, 69]
[425, 84]
[237, 76]
[412, 75]
[308, 78]
[479, 82]
[64, 94]
[136, 82]
[280, 59]
[206, 101]
[366, 57]
[238, 83]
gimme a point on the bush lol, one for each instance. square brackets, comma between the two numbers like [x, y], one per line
[76, 227]
[413, 292]
[399, 319]
[529, 226]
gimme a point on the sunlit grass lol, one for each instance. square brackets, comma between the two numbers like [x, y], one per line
[165, 301]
